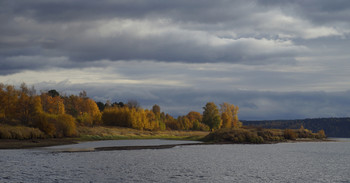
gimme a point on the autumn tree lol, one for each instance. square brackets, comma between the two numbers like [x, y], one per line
[236, 122]
[25, 104]
[230, 113]
[227, 111]
[184, 123]
[9, 103]
[226, 120]
[116, 116]
[72, 105]
[211, 116]
[170, 122]
[194, 116]
[83, 108]
[159, 122]
[156, 109]
[139, 119]
[52, 105]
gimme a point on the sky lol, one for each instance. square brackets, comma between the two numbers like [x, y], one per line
[285, 59]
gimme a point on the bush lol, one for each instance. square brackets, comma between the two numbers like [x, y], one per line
[5, 133]
[65, 126]
[62, 125]
[237, 135]
[290, 134]
[43, 122]
[321, 134]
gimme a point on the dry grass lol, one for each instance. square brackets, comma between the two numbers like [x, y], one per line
[19, 132]
[108, 133]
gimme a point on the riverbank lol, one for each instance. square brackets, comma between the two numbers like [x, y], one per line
[222, 136]
[24, 144]
[102, 133]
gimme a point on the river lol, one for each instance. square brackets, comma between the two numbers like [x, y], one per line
[283, 162]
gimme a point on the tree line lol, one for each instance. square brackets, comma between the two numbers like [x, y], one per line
[22, 110]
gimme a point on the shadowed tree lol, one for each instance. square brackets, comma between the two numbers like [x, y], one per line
[156, 109]
[101, 106]
[211, 116]
[53, 93]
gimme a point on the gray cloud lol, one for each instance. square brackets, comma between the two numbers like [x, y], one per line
[181, 31]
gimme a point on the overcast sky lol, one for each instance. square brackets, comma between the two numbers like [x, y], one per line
[274, 59]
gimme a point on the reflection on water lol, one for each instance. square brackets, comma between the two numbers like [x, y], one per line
[285, 162]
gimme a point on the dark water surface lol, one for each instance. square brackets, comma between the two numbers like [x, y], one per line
[284, 162]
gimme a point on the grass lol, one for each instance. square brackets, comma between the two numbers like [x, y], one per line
[19, 132]
[101, 133]
[119, 133]
[23, 144]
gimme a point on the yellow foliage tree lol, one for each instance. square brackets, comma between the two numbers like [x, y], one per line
[226, 120]
[232, 115]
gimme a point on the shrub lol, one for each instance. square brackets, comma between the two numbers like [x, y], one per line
[237, 135]
[65, 126]
[289, 134]
[42, 122]
[5, 133]
[321, 134]
[61, 125]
